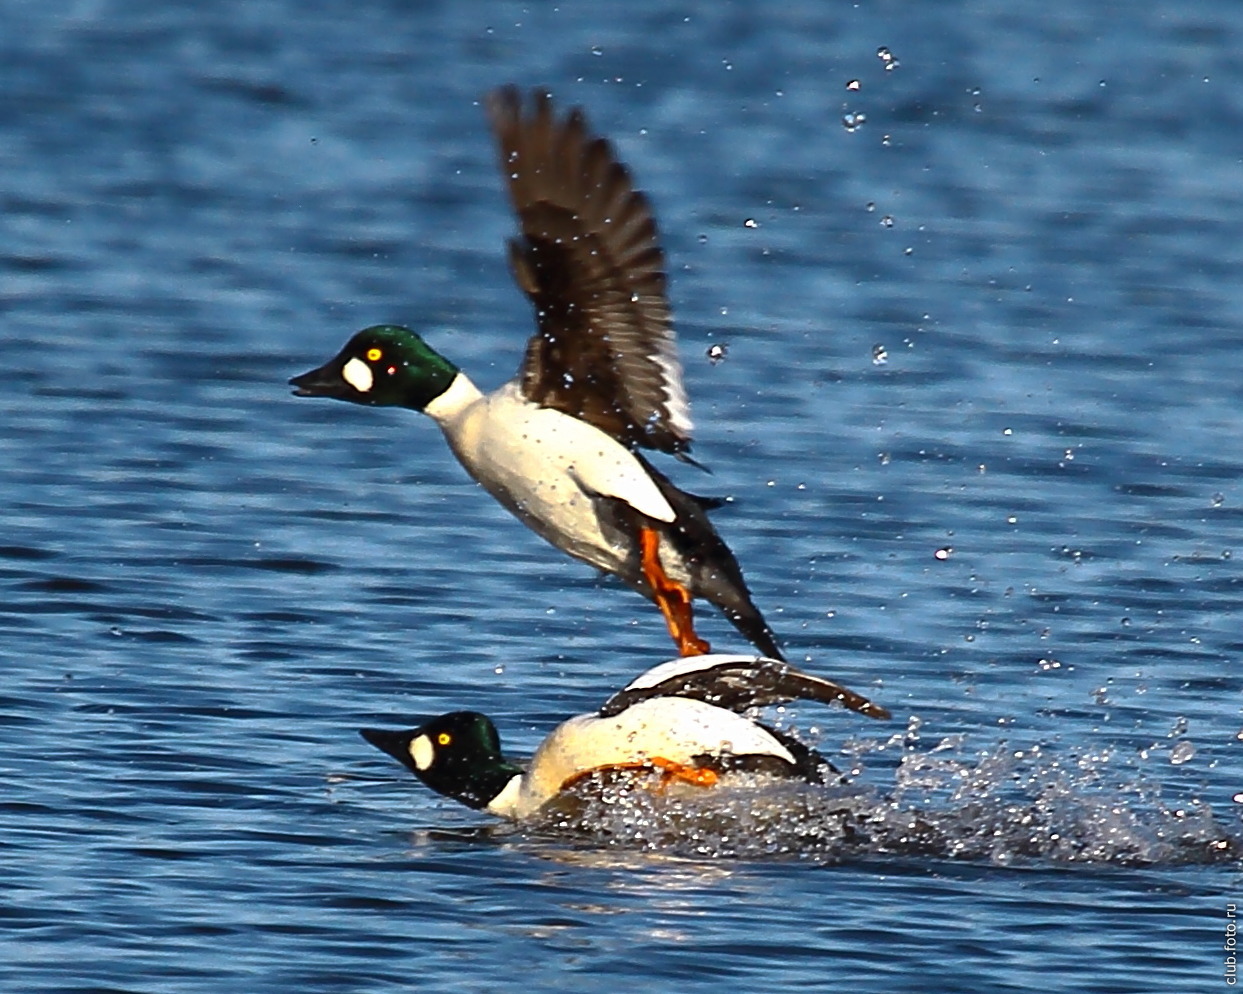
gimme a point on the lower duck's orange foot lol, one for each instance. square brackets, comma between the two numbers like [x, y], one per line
[698, 776]
[670, 770]
[673, 599]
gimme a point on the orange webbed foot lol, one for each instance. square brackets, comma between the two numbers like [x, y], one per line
[673, 599]
[698, 776]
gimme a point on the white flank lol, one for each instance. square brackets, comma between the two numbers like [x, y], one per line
[602, 465]
[545, 467]
[358, 375]
[422, 752]
[672, 728]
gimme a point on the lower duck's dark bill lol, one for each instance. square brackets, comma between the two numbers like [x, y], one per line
[393, 743]
[321, 382]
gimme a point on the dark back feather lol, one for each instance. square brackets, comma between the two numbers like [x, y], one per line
[744, 683]
[590, 261]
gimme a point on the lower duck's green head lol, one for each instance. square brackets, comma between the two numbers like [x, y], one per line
[457, 754]
[382, 365]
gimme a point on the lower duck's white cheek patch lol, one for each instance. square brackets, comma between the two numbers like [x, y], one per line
[422, 752]
[358, 375]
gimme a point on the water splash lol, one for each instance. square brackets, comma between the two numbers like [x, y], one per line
[999, 805]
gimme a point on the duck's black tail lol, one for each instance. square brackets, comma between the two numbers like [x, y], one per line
[715, 573]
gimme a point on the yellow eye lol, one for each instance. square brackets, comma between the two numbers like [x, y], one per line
[444, 738]
[373, 354]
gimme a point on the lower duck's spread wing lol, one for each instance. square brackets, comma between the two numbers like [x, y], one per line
[736, 683]
[589, 259]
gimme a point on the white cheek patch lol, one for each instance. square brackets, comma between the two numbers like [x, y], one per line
[358, 375]
[422, 752]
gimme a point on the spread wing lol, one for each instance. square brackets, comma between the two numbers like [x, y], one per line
[736, 683]
[589, 260]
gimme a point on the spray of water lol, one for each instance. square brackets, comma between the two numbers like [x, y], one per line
[998, 804]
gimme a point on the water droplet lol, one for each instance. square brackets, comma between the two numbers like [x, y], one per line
[717, 351]
[750, 223]
[853, 120]
[888, 58]
[854, 85]
[944, 552]
[1182, 752]
[880, 355]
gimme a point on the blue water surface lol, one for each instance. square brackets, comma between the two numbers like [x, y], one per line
[961, 329]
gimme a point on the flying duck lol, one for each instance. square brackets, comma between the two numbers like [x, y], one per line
[559, 445]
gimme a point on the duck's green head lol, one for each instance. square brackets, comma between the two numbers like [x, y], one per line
[382, 365]
[457, 754]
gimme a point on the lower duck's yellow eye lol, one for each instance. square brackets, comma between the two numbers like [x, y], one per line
[373, 354]
[444, 738]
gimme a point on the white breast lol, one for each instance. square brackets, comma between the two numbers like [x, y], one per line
[544, 466]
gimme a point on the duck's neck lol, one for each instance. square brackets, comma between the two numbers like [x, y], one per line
[458, 396]
[490, 783]
[505, 801]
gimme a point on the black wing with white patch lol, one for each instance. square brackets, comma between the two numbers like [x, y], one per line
[740, 683]
[590, 261]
